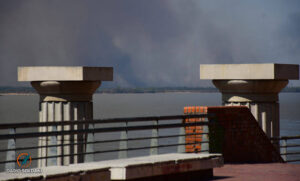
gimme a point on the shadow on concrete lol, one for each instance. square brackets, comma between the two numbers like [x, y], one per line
[217, 178]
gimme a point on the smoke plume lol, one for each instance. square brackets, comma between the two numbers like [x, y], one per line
[149, 43]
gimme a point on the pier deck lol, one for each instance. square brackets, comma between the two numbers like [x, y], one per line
[266, 172]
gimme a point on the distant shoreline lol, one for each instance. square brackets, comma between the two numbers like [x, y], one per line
[179, 91]
[137, 90]
[182, 91]
[17, 94]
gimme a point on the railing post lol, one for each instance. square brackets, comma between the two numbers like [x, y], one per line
[11, 155]
[89, 146]
[284, 145]
[154, 139]
[205, 138]
[52, 140]
[181, 140]
[90, 138]
[123, 144]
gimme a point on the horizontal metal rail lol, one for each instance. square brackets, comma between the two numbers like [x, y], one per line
[102, 121]
[297, 160]
[102, 141]
[100, 130]
[290, 145]
[286, 137]
[291, 153]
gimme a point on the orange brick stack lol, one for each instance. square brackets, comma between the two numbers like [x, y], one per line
[196, 147]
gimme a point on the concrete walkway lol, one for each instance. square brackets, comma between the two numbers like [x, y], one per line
[257, 172]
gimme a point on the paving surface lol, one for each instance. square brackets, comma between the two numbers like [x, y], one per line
[257, 172]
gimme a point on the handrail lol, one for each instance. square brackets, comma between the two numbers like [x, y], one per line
[291, 153]
[290, 145]
[101, 121]
[99, 130]
[286, 137]
[102, 141]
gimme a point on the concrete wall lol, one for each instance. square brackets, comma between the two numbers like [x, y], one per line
[238, 136]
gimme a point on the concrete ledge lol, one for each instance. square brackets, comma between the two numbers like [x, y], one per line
[166, 164]
[83, 171]
[56, 73]
[125, 169]
[269, 71]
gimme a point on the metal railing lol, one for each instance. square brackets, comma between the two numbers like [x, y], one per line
[289, 151]
[158, 127]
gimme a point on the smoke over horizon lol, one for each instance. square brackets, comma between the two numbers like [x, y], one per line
[149, 43]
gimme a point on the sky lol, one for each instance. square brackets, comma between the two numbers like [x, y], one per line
[157, 43]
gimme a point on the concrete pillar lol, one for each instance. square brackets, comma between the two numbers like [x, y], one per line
[65, 95]
[255, 86]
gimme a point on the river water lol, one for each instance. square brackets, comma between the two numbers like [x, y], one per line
[24, 108]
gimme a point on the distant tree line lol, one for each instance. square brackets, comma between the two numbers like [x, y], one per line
[156, 89]
[17, 90]
[137, 89]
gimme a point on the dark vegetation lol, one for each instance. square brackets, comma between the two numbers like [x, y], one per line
[136, 90]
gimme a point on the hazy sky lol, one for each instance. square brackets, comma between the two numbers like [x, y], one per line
[149, 43]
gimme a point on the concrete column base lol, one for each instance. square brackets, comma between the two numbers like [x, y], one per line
[65, 101]
[63, 111]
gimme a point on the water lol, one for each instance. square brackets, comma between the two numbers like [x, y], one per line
[25, 109]
[111, 105]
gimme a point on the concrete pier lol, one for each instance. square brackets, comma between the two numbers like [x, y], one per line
[253, 85]
[65, 95]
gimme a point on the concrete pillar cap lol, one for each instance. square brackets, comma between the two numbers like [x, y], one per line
[66, 90]
[61, 73]
[55, 83]
[250, 90]
[268, 71]
[249, 82]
